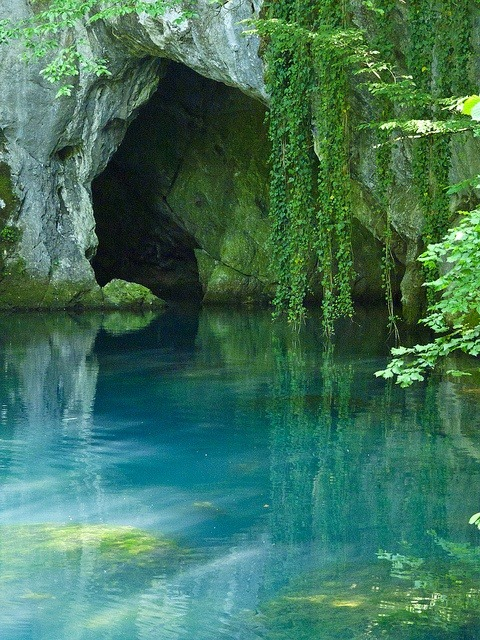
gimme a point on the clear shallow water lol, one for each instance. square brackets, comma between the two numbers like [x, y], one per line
[214, 477]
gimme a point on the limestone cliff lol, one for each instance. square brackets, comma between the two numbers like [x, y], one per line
[51, 149]
[181, 205]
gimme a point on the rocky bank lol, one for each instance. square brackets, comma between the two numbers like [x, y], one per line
[158, 173]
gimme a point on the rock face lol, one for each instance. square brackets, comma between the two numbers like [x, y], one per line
[182, 206]
[51, 150]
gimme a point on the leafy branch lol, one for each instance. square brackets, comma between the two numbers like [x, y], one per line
[455, 316]
[42, 33]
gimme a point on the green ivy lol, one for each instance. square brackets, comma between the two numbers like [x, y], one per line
[439, 33]
[383, 40]
[307, 54]
[10, 235]
[310, 55]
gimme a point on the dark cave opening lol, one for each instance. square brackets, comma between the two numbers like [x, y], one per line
[182, 206]
[140, 239]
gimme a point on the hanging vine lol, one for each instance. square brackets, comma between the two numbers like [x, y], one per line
[309, 190]
[383, 39]
[309, 52]
[438, 60]
[332, 140]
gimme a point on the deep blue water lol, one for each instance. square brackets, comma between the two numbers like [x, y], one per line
[216, 476]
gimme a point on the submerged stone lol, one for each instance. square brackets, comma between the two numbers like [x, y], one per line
[407, 600]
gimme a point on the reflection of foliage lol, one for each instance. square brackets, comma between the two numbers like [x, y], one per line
[461, 551]
[291, 433]
[402, 566]
[306, 410]
[402, 599]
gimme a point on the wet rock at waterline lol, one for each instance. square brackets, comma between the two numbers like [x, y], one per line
[119, 294]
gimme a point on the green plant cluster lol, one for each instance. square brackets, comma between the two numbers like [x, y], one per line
[455, 315]
[383, 38]
[415, 102]
[9, 235]
[308, 51]
[439, 38]
[311, 56]
[46, 34]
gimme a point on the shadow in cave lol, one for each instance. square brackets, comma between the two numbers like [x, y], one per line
[140, 238]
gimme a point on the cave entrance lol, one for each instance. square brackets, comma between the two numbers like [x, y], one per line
[140, 239]
[182, 207]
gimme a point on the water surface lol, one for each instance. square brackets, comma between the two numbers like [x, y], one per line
[215, 477]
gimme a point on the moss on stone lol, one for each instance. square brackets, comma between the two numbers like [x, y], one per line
[9, 235]
[123, 541]
[221, 194]
[114, 547]
[8, 198]
[122, 294]
[21, 290]
[228, 286]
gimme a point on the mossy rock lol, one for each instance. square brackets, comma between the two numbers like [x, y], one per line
[120, 294]
[8, 198]
[20, 290]
[9, 235]
[114, 547]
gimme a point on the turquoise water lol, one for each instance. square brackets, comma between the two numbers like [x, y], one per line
[215, 477]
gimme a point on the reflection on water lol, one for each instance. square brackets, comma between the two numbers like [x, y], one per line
[216, 476]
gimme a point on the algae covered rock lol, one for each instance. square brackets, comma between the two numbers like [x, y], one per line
[119, 294]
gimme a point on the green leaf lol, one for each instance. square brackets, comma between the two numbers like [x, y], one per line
[456, 373]
[475, 113]
[464, 184]
[469, 103]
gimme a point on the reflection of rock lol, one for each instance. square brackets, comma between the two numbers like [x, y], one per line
[119, 322]
[53, 371]
[51, 379]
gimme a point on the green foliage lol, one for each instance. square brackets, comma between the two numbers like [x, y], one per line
[421, 108]
[289, 82]
[475, 519]
[310, 56]
[308, 52]
[455, 315]
[47, 34]
[10, 235]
